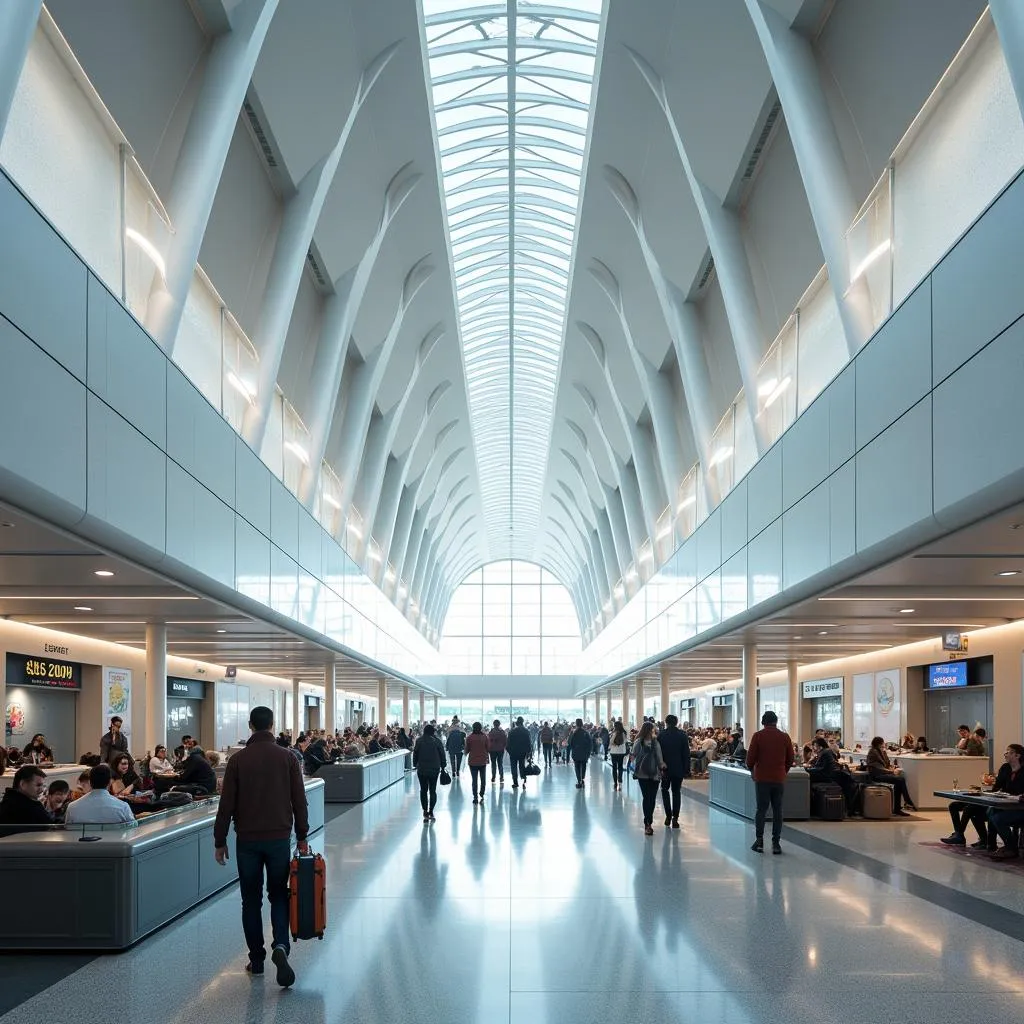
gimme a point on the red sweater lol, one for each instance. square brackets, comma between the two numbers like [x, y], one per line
[770, 754]
[477, 746]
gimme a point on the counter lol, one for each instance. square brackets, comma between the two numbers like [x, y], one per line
[68, 772]
[926, 773]
[732, 787]
[352, 782]
[110, 891]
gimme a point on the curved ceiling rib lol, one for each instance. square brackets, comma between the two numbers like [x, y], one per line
[511, 86]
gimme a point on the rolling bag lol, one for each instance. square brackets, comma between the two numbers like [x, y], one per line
[307, 897]
[827, 802]
[877, 803]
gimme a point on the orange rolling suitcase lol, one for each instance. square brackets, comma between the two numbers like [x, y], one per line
[307, 897]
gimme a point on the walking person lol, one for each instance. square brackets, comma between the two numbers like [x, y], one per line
[648, 766]
[605, 735]
[498, 740]
[263, 793]
[428, 756]
[581, 746]
[675, 748]
[769, 758]
[617, 751]
[519, 747]
[547, 739]
[456, 745]
[477, 749]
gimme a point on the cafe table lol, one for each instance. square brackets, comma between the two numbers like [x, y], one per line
[1001, 800]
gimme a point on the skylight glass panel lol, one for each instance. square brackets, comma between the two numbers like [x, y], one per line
[511, 86]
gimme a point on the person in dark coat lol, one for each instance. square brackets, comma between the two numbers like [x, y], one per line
[519, 747]
[427, 758]
[605, 737]
[197, 771]
[114, 743]
[456, 746]
[581, 746]
[675, 749]
[21, 802]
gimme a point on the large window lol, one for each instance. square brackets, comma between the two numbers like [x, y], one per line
[511, 618]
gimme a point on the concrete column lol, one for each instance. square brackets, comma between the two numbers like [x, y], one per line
[792, 677]
[666, 673]
[639, 700]
[330, 700]
[423, 707]
[17, 27]
[1008, 16]
[156, 686]
[382, 702]
[296, 710]
[434, 716]
[749, 691]
[405, 707]
[625, 703]
[597, 707]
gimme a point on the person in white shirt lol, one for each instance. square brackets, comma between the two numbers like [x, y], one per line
[158, 763]
[98, 807]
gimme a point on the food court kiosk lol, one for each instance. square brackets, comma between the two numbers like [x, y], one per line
[42, 696]
[185, 699]
[822, 705]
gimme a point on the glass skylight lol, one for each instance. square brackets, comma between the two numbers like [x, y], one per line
[511, 86]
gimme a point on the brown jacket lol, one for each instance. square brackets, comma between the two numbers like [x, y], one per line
[770, 754]
[263, 792]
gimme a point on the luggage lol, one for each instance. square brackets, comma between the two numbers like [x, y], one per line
[877, 803]
[307, 897]
[531, 768]
[827, 802]
[174, 798]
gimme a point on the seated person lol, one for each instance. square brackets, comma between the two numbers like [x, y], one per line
[198, 772]
[124, 778]
[213, 757]
[1009, 780]
[3, 760]
[880, 770]
[734, 747]
[58, 796]
[826, 770]
[89, 760]
[807, 755]
[82, 788]
[921, 745]
[971, 744]
[37, 752]
[98, 807]
[159, 763]
[22, 802]
[180, 756]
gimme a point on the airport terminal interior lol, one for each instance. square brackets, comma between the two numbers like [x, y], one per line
[624, 380]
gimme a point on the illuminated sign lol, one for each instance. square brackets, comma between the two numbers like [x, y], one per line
[24, 670]
[190, 689]
[823, 687]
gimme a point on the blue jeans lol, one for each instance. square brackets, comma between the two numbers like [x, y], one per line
[253, 856]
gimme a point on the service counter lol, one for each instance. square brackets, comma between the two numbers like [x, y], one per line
[926, 773]
[68, 772]
[106, 887]
[732, 787]
[356, 780]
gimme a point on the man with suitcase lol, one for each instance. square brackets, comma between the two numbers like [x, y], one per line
[769, 758]
[263, 792]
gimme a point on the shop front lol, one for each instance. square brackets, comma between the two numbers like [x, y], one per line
[957, 693]
[185, 699]
[823, 705]
[42, 697]
[723, 710]
[688, 711]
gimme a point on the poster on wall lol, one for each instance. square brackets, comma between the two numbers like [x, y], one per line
[14, 719]
[117, 698]
[888, 705]
[863, 708]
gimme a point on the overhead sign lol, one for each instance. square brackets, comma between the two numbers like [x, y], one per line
[724, 701]
[688, 702]
[510, 710]
[823, 687]
[230, 671]
[191, 689]
[954, 640]
[23, 670]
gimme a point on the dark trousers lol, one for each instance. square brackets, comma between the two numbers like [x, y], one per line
[253, 858]
[518, 768]
[649, 789]
[963, 815]
[547, 754]
[769, 793]
[1000, 822]
[428, 790]
[478, 771]
[900, 793]
[671, 792]
[456, 760]
[497, 764]
[617, 760]
[849, 787]
[581, 770]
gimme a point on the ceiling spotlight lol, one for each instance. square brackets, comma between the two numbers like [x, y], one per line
[221, 630]
[82, 608]
[798, 638]
[822, 632]
[103, 572]
[1009, 572]
[906, 611]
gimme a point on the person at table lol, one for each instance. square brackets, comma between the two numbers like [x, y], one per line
[1009, 779]
[1000, 821]
[98, 806]
[37, 752]
[908, 742]
[881, 771]
[159, 764]
[114, 742]
[82, 786]
[826, 770]
[58, 796]
[124, 779]
[921, 745]
[971, 744]
[22, 802]
[197, 771]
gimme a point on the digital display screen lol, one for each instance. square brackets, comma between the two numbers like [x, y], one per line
[24, 670]
[947, 675]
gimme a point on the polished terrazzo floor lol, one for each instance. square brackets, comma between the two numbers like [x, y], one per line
[551, 905]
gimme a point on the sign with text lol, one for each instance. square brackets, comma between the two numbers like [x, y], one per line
[117, 698]
[24, 670]
[191, 689]
[512, 710]
[823, 687]
[723, 701]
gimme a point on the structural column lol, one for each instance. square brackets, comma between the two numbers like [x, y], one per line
[793, 726]
[749, 692]
[597, 707]
[156, 684]
[1008, 16]
[296, 712]
[17, 26]
[405, 707]
[666, 673]
[639, 700]
[330, 700]
[423, 708]
[382, 702]
[625, 703]
[435, 709]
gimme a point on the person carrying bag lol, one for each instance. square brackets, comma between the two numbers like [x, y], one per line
[648, 764]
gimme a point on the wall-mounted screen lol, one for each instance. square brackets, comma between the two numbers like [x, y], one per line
[947, 675]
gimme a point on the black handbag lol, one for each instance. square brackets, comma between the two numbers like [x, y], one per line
[444, 778]
[531, 768]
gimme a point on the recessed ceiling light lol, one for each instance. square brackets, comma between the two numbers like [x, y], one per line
[1009, 572]
[82, 608]
[906, 611]
[103, 572]
[221, 630]
[822, 632]
[7, 526]
[798, 638]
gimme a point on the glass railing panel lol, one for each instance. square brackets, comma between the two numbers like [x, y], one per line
[295, 448]
[722, 457]
[241, 372]
[272, 452]
[821, 341]
[147, 230]
[869, 251]
[198, 351]
[776, 383]
[746, 443]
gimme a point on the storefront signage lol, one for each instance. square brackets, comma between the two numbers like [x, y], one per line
[23, 670]
[505, 709]
[688, 702]
[823, 687]
[192, 689]
[952, 640]
[724, 701]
